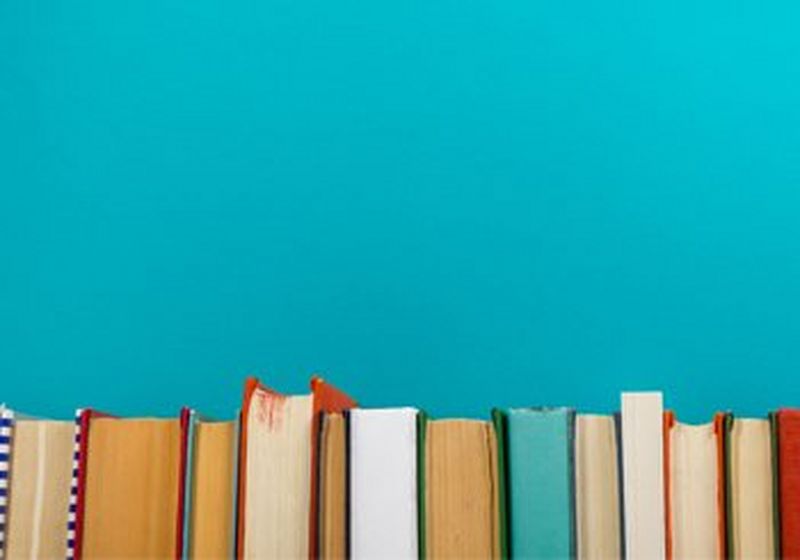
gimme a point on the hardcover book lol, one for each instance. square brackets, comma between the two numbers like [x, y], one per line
[751, 512]
[461, 496]
[540, 463]
[133, 487]
[597, 487]
[278, 481]
[642, 418]
[788, 461]
[383, 484]
[211, 487]
[695, 488]
[40, 488]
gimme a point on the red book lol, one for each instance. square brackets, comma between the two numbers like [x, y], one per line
[789, 481]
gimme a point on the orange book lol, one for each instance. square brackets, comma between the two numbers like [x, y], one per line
[278, 499]
[694, 479]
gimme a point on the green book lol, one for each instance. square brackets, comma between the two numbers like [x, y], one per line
[540, 455]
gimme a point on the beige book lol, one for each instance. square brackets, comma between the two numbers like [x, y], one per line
[211, 532]
[694, 483]
[642, 435]
[750, 471]
[461, 490]
[333, 501]
[597, 492]
[41, 471]
[132, 479]
[278, 470]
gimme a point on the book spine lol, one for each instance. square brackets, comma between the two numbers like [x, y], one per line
[72, 515]
[6, 430]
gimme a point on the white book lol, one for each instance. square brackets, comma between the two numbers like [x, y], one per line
[597, 497]
[643, 475]
[383, 484]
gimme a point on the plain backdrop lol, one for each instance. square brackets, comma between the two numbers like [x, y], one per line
[448, 204]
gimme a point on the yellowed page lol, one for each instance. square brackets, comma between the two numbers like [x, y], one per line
[40, 485]
[211, 524]
[333, 505]
[132, 489]
[461, 490]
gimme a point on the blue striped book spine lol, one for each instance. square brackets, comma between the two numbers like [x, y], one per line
[6, 430]
[72, 515]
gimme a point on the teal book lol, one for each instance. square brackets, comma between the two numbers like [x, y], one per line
[540, 455]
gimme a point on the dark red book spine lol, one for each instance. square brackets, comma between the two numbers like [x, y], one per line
[789, 482]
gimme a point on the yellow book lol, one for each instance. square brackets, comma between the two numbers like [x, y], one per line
[133, 489]
[211, 533]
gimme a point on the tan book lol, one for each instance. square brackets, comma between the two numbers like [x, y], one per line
[597, 492]
[41, 469]
[462, 512]
[333, 488]
[132, 489]
[211, 510]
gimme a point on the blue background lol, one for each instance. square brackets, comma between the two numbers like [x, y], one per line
[453, 204]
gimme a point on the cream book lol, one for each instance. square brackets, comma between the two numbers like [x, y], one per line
[642, 417]
[278, 482]
[751, 513]
[383, 484]
[597, 490]
[695, 488]
[41, 467]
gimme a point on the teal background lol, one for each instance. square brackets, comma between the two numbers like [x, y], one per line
[453, 204]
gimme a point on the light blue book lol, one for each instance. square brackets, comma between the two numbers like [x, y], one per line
[541, 483]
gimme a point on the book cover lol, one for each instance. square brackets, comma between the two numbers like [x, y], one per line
[541, 482]
[383, 483]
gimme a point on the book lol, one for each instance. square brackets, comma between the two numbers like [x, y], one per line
[333, 487]
[6, 431]
[383, 484]
[751, 523]
[133, 487]
[212, 489]
[40, 488]
[642, 422]
[539, 455]
[597, 487]
[278, 503]
[788, 443]
[77, 501]
[695, 488]
[460, 497]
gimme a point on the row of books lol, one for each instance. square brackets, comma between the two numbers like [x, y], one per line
[315, 476]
